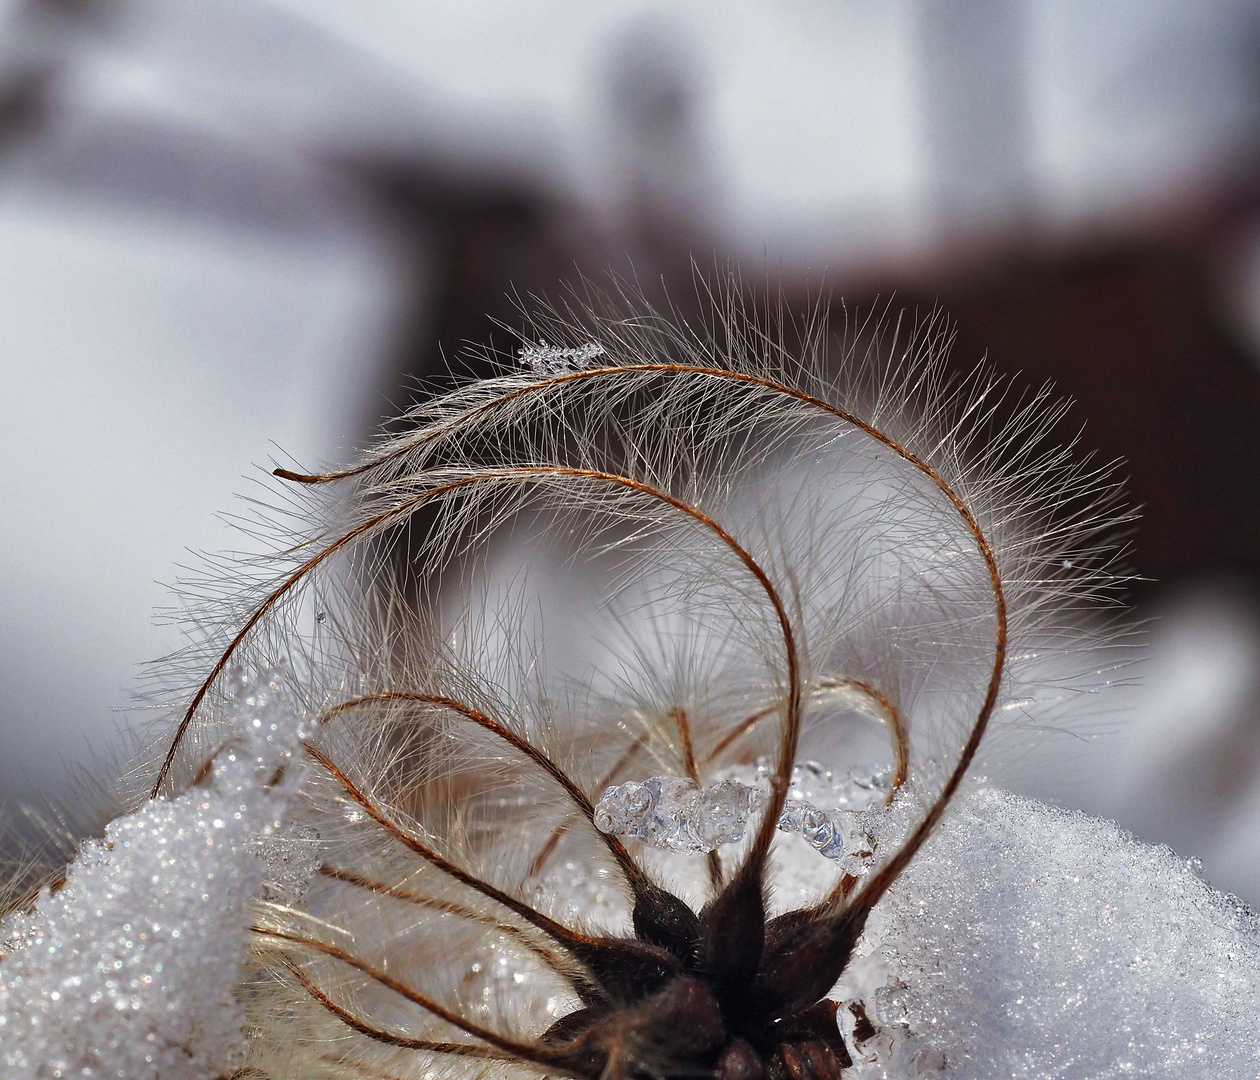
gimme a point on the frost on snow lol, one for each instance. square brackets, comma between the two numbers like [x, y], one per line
[1028, 941]
[128, 971]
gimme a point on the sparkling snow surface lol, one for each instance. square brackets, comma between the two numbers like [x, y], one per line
[128, 971]
[1028, 941]
[1023, 942]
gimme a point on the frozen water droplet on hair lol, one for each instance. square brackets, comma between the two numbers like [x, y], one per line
[544, 359]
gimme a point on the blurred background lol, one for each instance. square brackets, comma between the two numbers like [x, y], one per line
[241, 231]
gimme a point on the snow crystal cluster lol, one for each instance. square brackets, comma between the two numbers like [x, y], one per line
[128, 970]
[546, 360]
[1029, 941]
[675, 814]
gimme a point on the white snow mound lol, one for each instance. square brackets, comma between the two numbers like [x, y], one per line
[1029, 941]
[128, 971]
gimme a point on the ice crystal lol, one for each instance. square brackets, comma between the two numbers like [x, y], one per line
[544, 359]
[675, 814]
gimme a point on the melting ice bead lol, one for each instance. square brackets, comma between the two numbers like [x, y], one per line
[728, 806]
[621, 808]
[671, 805]
[818, 828]
[859, 789]
[673, 813]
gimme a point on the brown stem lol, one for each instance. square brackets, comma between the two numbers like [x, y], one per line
[738, 732]
[562, 935]
[517, 1051]
[450, 907]
[693, 773]
[389, 1038]
[545, 852]
[637, 879]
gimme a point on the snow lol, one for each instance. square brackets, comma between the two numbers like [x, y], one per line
[1023, 941]
[128, 971]
[1029, 941]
